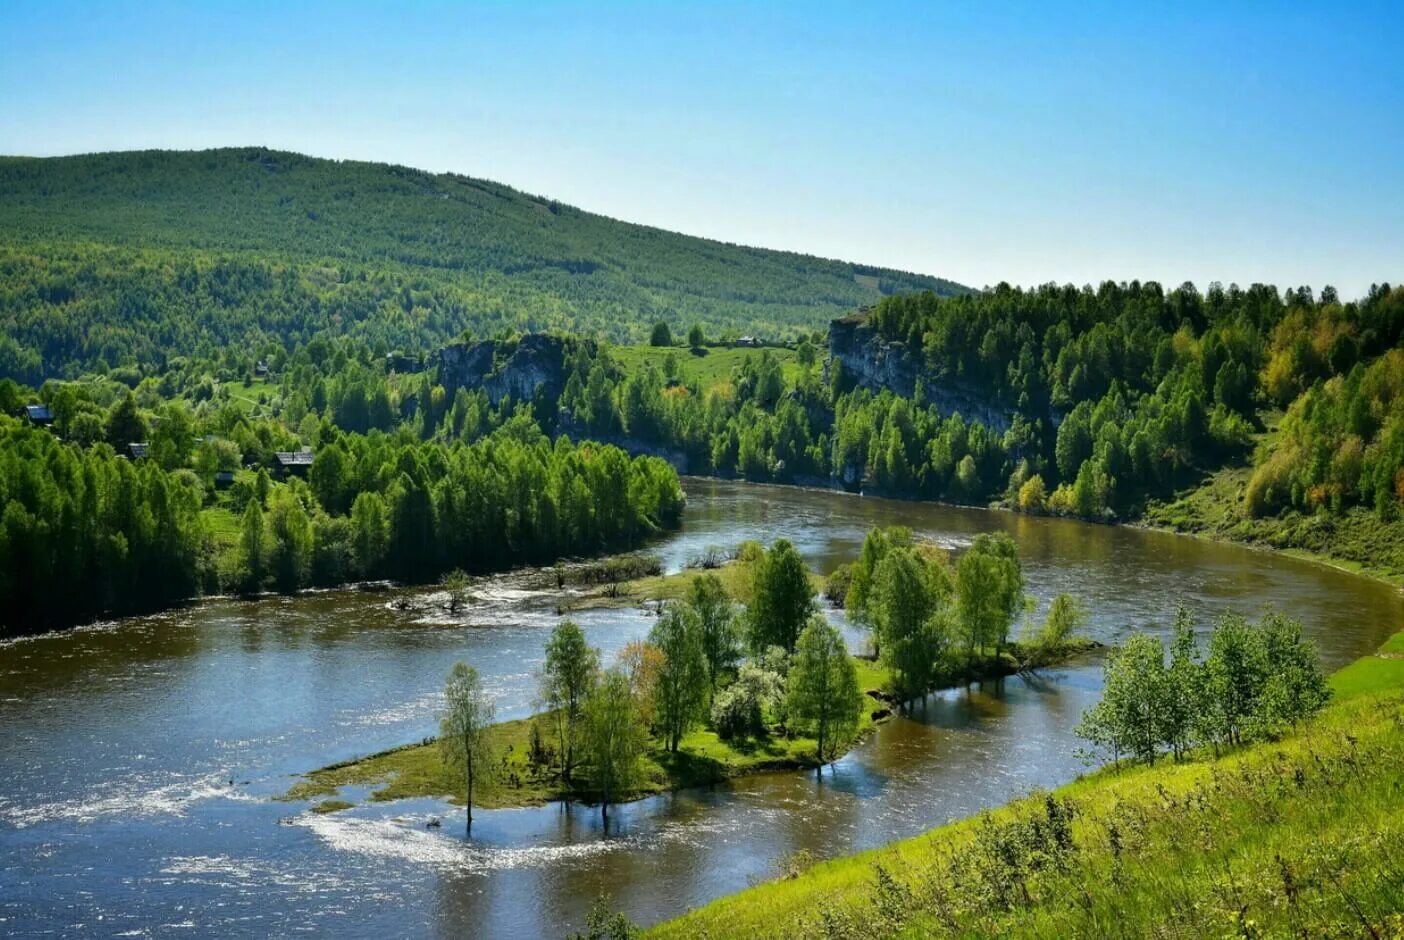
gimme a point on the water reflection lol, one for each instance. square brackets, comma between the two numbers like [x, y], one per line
[120, 741]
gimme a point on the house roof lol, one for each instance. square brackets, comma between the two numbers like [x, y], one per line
[39, 412]
[137, 449]
[294, 458]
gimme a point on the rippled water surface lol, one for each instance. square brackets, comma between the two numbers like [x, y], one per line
[138, 760]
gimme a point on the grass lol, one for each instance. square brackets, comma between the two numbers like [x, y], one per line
[223, 525]
[1356, 540]
[245, 395]
[714, 367]
[220, 518]
[1302, 836]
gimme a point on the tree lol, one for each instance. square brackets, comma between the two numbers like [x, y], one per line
[1066, 615]
[695, 337]
[253, 551]
[1130, 715]
[876, 544]
[782, 598]
[1184, 687]
[455, 585]
[712, 607]
[613, 737]
[990, 591]
[661, 335]
[903, 605]
[680, 692]
[328, 478]
[1033, 495]
[125, 425]
[464, 740]
[642, 662]
[1234, 673]
[370, 532]
[566, 680]
[822, 693]
[1296, 687]
[739, 710]
[290, 541]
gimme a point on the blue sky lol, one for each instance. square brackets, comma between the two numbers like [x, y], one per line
[1025, 142]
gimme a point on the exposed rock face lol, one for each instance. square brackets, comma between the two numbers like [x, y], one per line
[535, 367]
[868, 360]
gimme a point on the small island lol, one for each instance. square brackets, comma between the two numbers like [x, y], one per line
[741, 675]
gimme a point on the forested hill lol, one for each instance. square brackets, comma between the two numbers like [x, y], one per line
[284, 243]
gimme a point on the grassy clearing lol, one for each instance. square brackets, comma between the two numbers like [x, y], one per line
[1304, 836]
[222, 524]
[706, 371]
[246, 395]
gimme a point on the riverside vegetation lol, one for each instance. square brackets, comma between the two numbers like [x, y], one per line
[1327, 476]
[719, 689]
[1275, 811]
[140, 534]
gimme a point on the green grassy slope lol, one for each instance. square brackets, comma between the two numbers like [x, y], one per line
[1355, 539]
[403, 235]
[1303, 837]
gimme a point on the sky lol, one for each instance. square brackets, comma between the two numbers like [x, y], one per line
[1233, 142]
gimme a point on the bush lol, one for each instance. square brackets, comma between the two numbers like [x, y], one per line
[739, 710]
[1270, 487]
[836, 585]
[1033, 495]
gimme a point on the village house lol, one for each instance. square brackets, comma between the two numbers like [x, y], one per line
[292, 462]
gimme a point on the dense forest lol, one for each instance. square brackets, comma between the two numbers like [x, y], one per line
[95, 528]
[130, 259]
[1087, 402]
[1109, 400]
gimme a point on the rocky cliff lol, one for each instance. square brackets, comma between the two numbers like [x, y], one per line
[531, 368]
[867, 360]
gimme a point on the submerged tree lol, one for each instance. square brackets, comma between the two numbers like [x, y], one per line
[823, 694]
[566, 681]
[613, 737]
[455, 585]
[463, 730]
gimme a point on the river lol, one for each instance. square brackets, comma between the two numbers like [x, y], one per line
[139, 759]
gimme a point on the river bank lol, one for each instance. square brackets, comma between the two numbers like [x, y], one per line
[1356, 541]
[1295, 835]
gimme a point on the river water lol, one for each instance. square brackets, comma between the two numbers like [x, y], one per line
[138, 760]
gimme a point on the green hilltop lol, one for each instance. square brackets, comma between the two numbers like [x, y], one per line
[279, 245]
